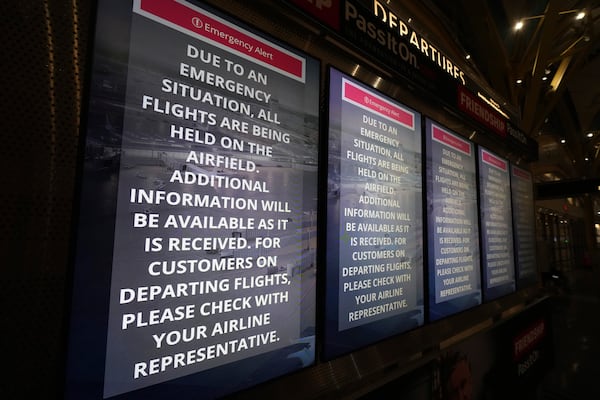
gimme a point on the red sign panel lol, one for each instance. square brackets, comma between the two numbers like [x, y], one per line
[326, 11]
[474, 107]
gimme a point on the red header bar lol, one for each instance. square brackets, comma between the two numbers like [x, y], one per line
[521, 173]
[493, 160]
[378, 105]
[202, 25]
[450, 140]
[481, 112]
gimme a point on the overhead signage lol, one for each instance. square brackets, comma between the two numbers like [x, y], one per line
[453, 233]
[496, 225]
[401, 28]
[481, 112]
[214, 246]
[380, 32]
[386, 30]
[374, 225]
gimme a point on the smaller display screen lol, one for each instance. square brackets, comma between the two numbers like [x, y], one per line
[374, 218]
[524, 225]
[496, 226]
[453, 233]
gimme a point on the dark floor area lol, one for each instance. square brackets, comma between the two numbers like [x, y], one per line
[576, 325]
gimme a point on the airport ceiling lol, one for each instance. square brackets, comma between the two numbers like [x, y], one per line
[547, 72]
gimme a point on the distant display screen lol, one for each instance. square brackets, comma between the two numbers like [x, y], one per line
[524, 226]
[496, 226]
[454, 272]
[374, 218]
[196, 250]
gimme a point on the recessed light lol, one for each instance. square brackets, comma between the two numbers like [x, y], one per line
[563, 141]
[590, 134]
[580, 15]
[468, 56]
[518, 25]
[519, 81]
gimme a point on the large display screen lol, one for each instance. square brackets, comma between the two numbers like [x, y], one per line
[196, 255]
[496, 226]
[454, 272]
[374, 217]
[524, 226]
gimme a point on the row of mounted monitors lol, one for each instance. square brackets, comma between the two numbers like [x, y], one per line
[474, 224]
[196, 254]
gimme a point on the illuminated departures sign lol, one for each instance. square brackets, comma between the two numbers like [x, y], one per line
[391, 38]
[396, 25]
[377, 30]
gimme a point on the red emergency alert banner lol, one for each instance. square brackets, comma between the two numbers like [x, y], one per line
[450, 140]
[202, 25]
[518, 172]
[494, 161]
[371, 102]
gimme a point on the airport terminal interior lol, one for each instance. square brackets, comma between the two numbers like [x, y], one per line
[300, 199]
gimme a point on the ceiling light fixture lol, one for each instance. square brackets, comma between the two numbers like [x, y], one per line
[590, 134]
[521, 23]
[468, 56]
[519, 81]
[579, 11]
[563, 141]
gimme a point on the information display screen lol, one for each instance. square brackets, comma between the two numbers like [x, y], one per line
[496, 226]
[196, 255]
[524, 226]
[374, 218]
[454, 272]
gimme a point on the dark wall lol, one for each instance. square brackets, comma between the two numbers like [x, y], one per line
[43, 51]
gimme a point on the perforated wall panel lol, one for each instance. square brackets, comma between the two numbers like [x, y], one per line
[43, 52]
